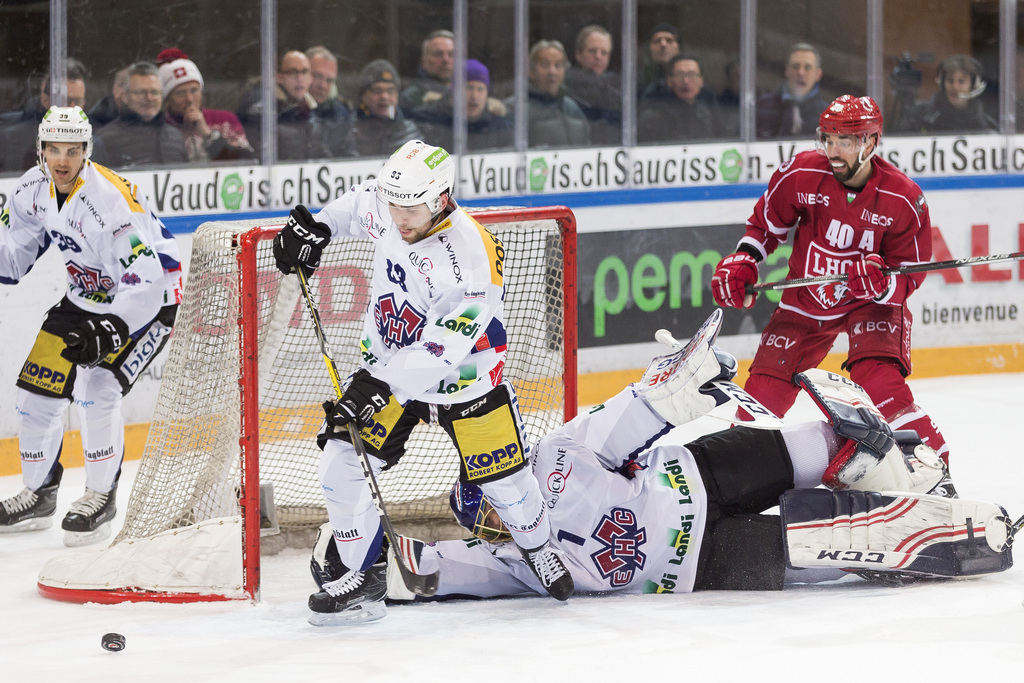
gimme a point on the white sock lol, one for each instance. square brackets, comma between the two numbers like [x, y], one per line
[811, 446]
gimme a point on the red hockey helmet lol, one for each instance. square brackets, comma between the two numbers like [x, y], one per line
[849, 115]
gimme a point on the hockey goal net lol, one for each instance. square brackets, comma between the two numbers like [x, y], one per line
[231, 452]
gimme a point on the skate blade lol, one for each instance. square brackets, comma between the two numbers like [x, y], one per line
[76, 539]
[361, 614]
[31, 524]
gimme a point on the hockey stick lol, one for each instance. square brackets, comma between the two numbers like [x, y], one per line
[903, 270]
[420, 584]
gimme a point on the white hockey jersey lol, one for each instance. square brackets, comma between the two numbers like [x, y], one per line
[120, 258]
[435, 330]
[634, 535]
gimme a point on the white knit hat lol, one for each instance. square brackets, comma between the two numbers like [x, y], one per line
[177, 70]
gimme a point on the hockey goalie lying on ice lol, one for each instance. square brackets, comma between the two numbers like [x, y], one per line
[630, 517]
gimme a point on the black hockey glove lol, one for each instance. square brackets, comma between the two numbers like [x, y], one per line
[300, 242]
[93, 340]
[365, 396]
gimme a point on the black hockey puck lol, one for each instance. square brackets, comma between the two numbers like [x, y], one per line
[114, 642]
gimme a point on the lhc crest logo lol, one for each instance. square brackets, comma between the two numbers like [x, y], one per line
[831, 294]
[89, 279]
[398, 325]
[620, 557]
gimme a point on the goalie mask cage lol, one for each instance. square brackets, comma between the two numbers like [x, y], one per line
[239, 408]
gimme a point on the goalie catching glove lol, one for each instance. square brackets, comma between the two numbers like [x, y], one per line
[364, 397]
[671, 385]
[95, 339]
[301, 242]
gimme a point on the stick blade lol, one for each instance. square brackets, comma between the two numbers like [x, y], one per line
[420, 584]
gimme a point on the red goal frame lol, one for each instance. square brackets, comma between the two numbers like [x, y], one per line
[249, 502]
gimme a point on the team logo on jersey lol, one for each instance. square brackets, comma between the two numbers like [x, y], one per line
[919, 204]
[434, 348]
[467, 376]
[397, 325]
[138, 249]
[422, 263]
[620, 556]
[831, 293]
[89, 279]
[496, 373]
[130, 279]
[464, 323]
[673, 477]
[372, 227]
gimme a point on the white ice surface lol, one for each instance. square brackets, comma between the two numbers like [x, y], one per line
[956, 631]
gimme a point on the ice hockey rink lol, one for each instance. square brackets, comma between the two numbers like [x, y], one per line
[948, 631]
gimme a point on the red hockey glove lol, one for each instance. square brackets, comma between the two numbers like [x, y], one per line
[867, 281]
[732, 276]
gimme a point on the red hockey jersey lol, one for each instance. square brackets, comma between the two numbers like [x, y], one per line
[832, 227]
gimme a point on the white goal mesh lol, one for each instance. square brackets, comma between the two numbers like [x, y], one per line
[239, 403]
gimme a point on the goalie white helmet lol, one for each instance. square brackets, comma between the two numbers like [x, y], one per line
[417, 173]
[64, 124]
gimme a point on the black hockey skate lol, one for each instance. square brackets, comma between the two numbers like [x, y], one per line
[355, 597]
[88, 520]
[549, 568]
[31, 510]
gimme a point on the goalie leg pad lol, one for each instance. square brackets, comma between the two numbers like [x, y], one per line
[913, 534]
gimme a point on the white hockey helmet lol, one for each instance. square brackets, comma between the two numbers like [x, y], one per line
[64, 124]
[417, 173]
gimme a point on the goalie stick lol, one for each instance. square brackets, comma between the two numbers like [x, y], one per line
[903, 270]
[420, 584]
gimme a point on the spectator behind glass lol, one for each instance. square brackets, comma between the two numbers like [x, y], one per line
[793, 109]
[380, 126]
[661, 47]
[554, 118]
[597, 90]
[138, 136]
[18, 130]
[109, 108]
[434, 76]
[300, 132]
[1020, 90]
[485, 129]
[684, 116]
[728, 101]
[330, 108]
[209, 134]
[956, 107]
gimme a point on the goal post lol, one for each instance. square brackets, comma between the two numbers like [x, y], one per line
[230, 463]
